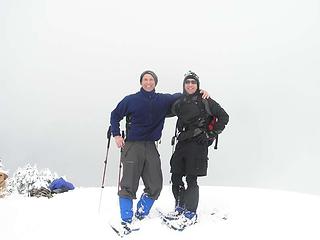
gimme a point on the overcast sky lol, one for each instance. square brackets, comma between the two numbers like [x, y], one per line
[65, 64]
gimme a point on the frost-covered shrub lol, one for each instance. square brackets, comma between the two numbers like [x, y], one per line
[26, 179]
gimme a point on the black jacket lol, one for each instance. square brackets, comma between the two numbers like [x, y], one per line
[195, 113]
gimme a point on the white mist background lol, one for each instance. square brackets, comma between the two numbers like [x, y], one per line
[65, 64]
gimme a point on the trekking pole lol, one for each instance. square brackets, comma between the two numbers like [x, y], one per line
[173, 141]
[105, 161]
[120, 165]
[158, 143]
[105, 165]
[174, 138]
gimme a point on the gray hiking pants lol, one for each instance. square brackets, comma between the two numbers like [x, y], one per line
[140, 159]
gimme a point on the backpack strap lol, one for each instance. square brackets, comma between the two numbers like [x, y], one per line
[206, 106]
[216, 142]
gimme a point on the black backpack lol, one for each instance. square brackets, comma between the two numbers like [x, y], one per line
[205, 111]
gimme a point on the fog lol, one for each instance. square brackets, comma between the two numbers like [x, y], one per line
[65, 64]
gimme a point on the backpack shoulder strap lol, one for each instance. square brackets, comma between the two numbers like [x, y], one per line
[206, 106]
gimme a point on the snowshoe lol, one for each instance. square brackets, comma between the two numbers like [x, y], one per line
[171, 215]
[125, 228]
[182, 221]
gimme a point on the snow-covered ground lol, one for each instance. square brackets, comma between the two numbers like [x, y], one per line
[252, 214]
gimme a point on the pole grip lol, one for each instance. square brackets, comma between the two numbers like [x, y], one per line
[109, 132]
[109, 136]
[122, 134]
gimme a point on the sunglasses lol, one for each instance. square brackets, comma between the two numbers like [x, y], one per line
[190, 81]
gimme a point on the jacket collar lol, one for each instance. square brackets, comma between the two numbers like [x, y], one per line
[148, 94]
[193, 96]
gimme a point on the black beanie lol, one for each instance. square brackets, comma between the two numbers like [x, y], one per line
[151, 73]
[191, 75]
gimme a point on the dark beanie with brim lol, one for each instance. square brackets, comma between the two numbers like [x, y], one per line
[151, 73]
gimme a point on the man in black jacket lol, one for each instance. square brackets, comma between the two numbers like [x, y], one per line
[190, 158]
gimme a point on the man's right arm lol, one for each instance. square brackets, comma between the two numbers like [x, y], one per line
[116, 116]
[172, 98]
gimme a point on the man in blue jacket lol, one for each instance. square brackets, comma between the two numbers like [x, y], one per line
[146, 110]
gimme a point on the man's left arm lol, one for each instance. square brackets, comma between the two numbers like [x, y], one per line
[220, 113]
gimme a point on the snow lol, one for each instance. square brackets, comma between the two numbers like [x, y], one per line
[252, 214]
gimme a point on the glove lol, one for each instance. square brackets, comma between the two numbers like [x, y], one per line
[202, 138]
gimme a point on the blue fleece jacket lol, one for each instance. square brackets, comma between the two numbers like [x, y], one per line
[147, 110]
